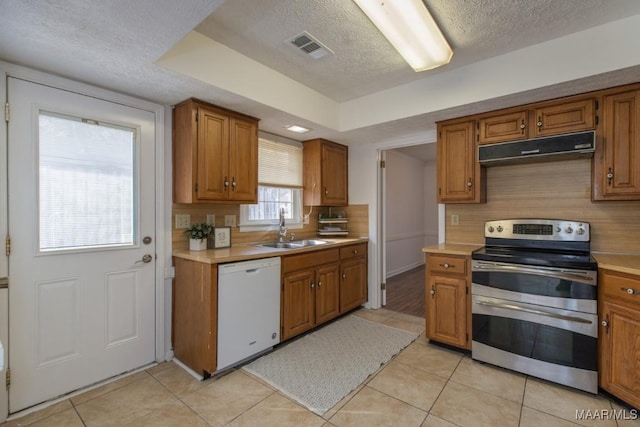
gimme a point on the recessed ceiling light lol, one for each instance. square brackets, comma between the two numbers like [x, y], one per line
[297, 129]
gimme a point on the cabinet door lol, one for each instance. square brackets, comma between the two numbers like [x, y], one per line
[334, 175]
[353, 284]
[213, 155]
[504, 127]
[620, 352]
[617, 169]
[446, 307]
[327, 293]
[297, 303]
[566, 117]
[243, 161]
[458, 169]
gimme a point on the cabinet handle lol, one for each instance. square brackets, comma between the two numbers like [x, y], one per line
[445, 265]
[469, 184]
[631, 291]
[355, 252]
[326, 191]
[226, 182]
[433, 292]
[605, 324]
[233, 183]
[522, 126]
[539, 123]
[313, 285]
[344, 276]
[610, 176]
[319, 284]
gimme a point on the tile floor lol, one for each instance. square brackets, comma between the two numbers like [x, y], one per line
[424, 385]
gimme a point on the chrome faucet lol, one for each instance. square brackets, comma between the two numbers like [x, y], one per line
[283, 230]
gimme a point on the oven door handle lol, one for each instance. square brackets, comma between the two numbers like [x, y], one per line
[530, 310]
[551, 272]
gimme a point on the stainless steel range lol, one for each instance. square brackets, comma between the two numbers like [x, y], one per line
[534, 297]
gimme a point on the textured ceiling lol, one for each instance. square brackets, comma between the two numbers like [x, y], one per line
[364, 62]
[115, 44]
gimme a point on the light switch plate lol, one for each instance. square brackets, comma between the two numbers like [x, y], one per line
[211, 219]
[183, 221]
[229, 220]
[455, 219]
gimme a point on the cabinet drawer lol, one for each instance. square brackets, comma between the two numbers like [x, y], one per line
[447, 264]
[309, 260]
[622, 286]
[353, 251]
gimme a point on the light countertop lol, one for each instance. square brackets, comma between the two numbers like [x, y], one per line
[451, 249]
[249, 251]
[622, 263]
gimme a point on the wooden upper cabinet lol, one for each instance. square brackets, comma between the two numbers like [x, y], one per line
[459, 173]
[564, 117]
[616, 165]
[325, 173]
[503, 127]
[215, 154]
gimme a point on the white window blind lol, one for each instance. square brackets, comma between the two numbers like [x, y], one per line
[280, 165]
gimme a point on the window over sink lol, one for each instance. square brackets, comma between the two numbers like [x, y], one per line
[279, 186]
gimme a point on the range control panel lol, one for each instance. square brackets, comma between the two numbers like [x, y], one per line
[538, 229]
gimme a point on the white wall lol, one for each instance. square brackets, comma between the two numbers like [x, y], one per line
[430, 203]
[404, 212]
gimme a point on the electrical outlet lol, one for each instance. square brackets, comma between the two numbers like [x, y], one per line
[455, 219]
[183, 221]
[211, 219]
[229, 220]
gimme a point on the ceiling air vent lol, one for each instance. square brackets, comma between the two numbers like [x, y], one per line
[309, 45]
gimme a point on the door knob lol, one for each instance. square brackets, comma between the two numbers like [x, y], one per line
[146, 258]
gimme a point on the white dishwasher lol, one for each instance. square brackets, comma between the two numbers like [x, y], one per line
[248, 309]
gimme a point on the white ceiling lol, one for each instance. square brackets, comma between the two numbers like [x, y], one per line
[117, 44]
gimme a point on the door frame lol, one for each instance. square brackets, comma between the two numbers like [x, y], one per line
[162, 115]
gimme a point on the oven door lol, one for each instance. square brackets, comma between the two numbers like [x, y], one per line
[546, 342]
[569, 289]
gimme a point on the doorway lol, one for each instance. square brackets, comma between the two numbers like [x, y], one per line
[410, 222]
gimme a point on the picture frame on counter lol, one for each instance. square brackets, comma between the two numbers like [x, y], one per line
[222, 237]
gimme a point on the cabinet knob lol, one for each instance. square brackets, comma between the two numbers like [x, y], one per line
[610, 176]
[539, 123]
[355, 252]
[469, 184]
[432, 292]
[233, 183]
[313, 285]
[446, 265]
[522, 126]
[326, 191]
[319, 284]
[226, 182]
[631, 291]
[344, 276]
[605, 324]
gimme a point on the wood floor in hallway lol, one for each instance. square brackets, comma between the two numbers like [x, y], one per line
[405, 292]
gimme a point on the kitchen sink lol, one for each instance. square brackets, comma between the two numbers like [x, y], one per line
[294, 244]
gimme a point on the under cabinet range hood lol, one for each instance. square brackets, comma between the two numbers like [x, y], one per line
[561, 147]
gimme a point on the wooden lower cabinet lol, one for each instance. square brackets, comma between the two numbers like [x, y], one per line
[619, 359]
[448, 313]
[310, 291]
[318, 286]
[353, 274]
[195, 315]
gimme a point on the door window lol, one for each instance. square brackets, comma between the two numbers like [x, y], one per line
[87, 181]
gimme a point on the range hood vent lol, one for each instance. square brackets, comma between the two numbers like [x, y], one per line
[562, 147]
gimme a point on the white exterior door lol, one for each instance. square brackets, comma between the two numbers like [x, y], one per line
[81, 221]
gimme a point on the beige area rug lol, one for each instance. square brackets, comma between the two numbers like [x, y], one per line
[319, 369]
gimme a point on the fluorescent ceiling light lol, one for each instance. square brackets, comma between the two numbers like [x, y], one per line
[297, 129]
[410, 28]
